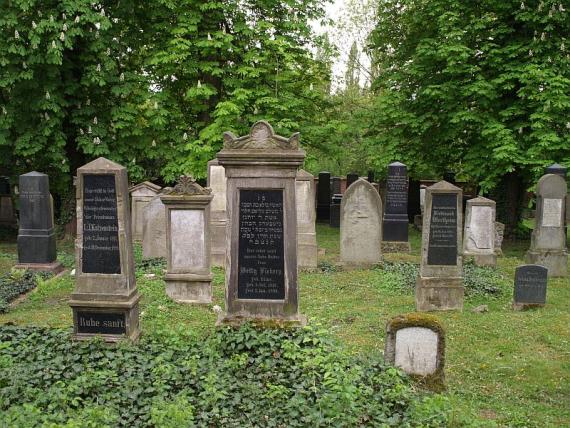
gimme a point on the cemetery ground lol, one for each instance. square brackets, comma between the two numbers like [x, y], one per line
[503, 368]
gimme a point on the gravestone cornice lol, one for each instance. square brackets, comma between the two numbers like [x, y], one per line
[145, 185]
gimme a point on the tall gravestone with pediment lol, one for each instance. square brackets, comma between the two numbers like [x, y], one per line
[218, 212]
[395, 223]
[154, 228]
[36, 235]
[361, 226]
[7, 216]
[188, 259]
[530, 287]
[479, 232]
[141, 194]
[440, 282]
[324, 197]
[261, 270]
[306, 216]
[548, 240]
[105, 300]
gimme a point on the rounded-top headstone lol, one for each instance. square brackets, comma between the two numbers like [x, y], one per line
[557, 169]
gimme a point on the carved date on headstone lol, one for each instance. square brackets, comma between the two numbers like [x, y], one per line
[442, 244]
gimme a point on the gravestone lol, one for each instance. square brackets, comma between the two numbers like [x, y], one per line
[530, 287]
[188, 258]
[548, 239]
[218, 213]
[141, 194]
[36, 235]
[154, 229]
[335, 185]
[361, 226]
[499, 236]
[416, 344]
[557, 169]
[449, 176]
[324, 197]
[7, 216]
[370, 176]
[395, 224]
[440, 282]
[479, 232]
[306, 216]
[414, 207]
[335, 210]
[351, 178]
[105, 300]
[261, 270]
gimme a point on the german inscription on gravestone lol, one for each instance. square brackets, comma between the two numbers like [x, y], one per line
[442, 244]
[552, 212]
[100, 225]
[101, 322]
[397, 191]
[530, 284]
[261, 245]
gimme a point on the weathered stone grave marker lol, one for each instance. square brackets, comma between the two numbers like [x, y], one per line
[261, 275]
[479, 234]
[218, 212]
[361, 226]
[324, 197]
[499, 235]
[440, 282]
[306, 215]
[548, 239]
[395, 224]
[36, 236]
[105, 300]
[530, 287]
[154, 228]
[141, 194]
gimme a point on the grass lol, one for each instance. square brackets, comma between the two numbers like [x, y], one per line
[503, 368]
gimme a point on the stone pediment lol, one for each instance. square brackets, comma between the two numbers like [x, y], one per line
[443, 185]
[186, 185]
[261, 137]
[146, 188]
[102, 164]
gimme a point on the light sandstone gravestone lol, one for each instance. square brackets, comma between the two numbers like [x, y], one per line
[479, 233]
[105, 300]
[36, 235]
[324, 197]
[141, 194]
[416, 344]
[7, 215]
[188, 258]
[440, 282]
[306, 216]
[499, 236]
[530, 287]
[548, 240]
[154, 228]
[395, 223]
[261, 270]
[218, 212]
[361, 226]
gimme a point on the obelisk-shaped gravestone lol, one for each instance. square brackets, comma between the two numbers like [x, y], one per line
[440, 283]
[36, 236]
[395, 223]
[479, 233]
[105, 300]
[548, 240]
[261, 274]
[324, 197]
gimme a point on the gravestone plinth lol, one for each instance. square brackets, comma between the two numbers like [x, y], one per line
[440, 282]
[479, 232]
[154, 228]
[351, 178]
[7, 215]
[360, 226]
[188, 259]
[395, 222]
[530, 287]
[416, 344]
[105, 300]
[335, 210]
[306, 216]
[218, 212]
[141, 194]
[548, 239]
[324, 197]
[261, 270]
[36, 235]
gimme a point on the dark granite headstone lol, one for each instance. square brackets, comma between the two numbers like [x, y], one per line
[530, 285]
[335, 210]
[556, 169]
[4, 186]
[100, 225]
[99, 322]
[442, 244]
[335, 186]
[351, 178]
[395, 224]
[324, 197]
[370, 176]
[414, 206]
[36, 238]
[261, 245]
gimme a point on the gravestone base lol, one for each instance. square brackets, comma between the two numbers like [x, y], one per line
[238, 319]
[482, 259]
[115, 321]
[555, 261]
[439, 294]
[526, 306]
[53, 267]
[396, 247]
[189, 288]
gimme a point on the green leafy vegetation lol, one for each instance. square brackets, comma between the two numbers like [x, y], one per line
[18, 282]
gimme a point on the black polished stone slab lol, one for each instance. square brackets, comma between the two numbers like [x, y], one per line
[442, 242]
[261, 253]
[99, 322]
[370, 177]
[530, 284]
[335, 185]
[4, 186]
[414, 204]
[449, 176]
[351, 178]
[324, 197]
[395, 222]
[335, 210]
[101, 252]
